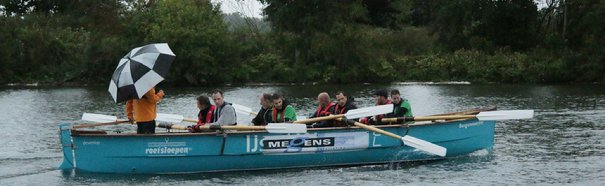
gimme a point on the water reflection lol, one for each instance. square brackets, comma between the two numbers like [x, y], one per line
[563, 144]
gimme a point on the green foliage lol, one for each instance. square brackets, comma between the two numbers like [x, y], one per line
[42, 52]
[196, 33]
[351, 41]
[484, 24]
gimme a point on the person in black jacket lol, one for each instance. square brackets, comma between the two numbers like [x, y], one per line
[344, 104]
[263, 117]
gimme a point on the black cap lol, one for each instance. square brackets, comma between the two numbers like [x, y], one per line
[381, 92]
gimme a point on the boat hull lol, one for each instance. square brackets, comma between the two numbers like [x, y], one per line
[185, 153]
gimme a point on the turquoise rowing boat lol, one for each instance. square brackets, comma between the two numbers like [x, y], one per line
[179, 152]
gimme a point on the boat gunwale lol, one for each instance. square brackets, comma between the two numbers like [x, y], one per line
[101, 133]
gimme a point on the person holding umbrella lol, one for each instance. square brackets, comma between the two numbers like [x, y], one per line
[143, 111]
[134, 81]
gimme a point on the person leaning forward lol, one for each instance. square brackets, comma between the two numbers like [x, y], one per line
[325, 107]
[344, 104]
[264, 114]
[143, 111]
[381, 97]
[205, 115]
[282, 111]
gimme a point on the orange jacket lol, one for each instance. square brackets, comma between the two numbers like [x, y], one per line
[144, 109]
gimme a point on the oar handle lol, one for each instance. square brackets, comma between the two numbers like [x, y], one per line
[207, 127]
[195, 121]
[171, 126]
[371, 128]
[236, 127]
[99, 124]
[318, 119]
[426, 118]
[190, 120]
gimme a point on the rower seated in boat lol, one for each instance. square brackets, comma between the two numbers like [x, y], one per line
[344, 104]
[264, 114]
[205, 115]
[224, 114]
[325, 107]
[381, 97]
[401, 107]
[282, 111]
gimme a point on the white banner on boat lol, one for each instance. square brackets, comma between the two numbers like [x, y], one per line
[315, 143]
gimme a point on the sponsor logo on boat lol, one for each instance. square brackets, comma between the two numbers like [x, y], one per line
[308, 143]
[298, 142]
[167, 148]
[467, 125]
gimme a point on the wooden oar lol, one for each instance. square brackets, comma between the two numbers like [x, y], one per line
[407, 140]
[100, 124]
[173, 118]
[482, 116]
[100, 120]
[104, 120]
[271, 127]
[353, 114]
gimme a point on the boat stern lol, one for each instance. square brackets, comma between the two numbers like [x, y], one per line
[66, 146]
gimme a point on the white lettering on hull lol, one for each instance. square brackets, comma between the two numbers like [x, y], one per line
[467, 125]
[167, 148]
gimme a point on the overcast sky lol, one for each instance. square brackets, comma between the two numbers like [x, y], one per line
[250, 8]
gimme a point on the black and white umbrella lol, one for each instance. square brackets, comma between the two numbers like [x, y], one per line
[140, 70]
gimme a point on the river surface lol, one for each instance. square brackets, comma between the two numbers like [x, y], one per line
[563, 144]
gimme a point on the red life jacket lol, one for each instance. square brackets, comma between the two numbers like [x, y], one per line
[275, 115]
[325, 109]
[379, 117]
[341, 111]
[208, 118]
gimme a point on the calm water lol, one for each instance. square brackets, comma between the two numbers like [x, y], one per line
[563, 144]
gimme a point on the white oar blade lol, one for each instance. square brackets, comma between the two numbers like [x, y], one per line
[369, 111]
[100, 118]
[170, 118]
[505, 115]
[286, 128]
[424, 145]
[242, 109]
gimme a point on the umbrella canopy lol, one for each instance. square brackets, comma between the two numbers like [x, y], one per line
[140, 70]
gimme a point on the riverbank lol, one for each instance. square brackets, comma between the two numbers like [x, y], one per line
[52, 85]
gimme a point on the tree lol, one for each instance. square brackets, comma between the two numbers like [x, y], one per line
[487, 24]
[196, 33]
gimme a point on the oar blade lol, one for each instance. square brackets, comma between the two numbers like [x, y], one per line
[369, 111]
[100, 118]
[505, 115]
[170, 118]
[424, 145]
[242, 109]
[286, 128]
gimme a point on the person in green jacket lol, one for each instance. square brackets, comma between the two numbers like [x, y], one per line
[401, 106]
[282, 110]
